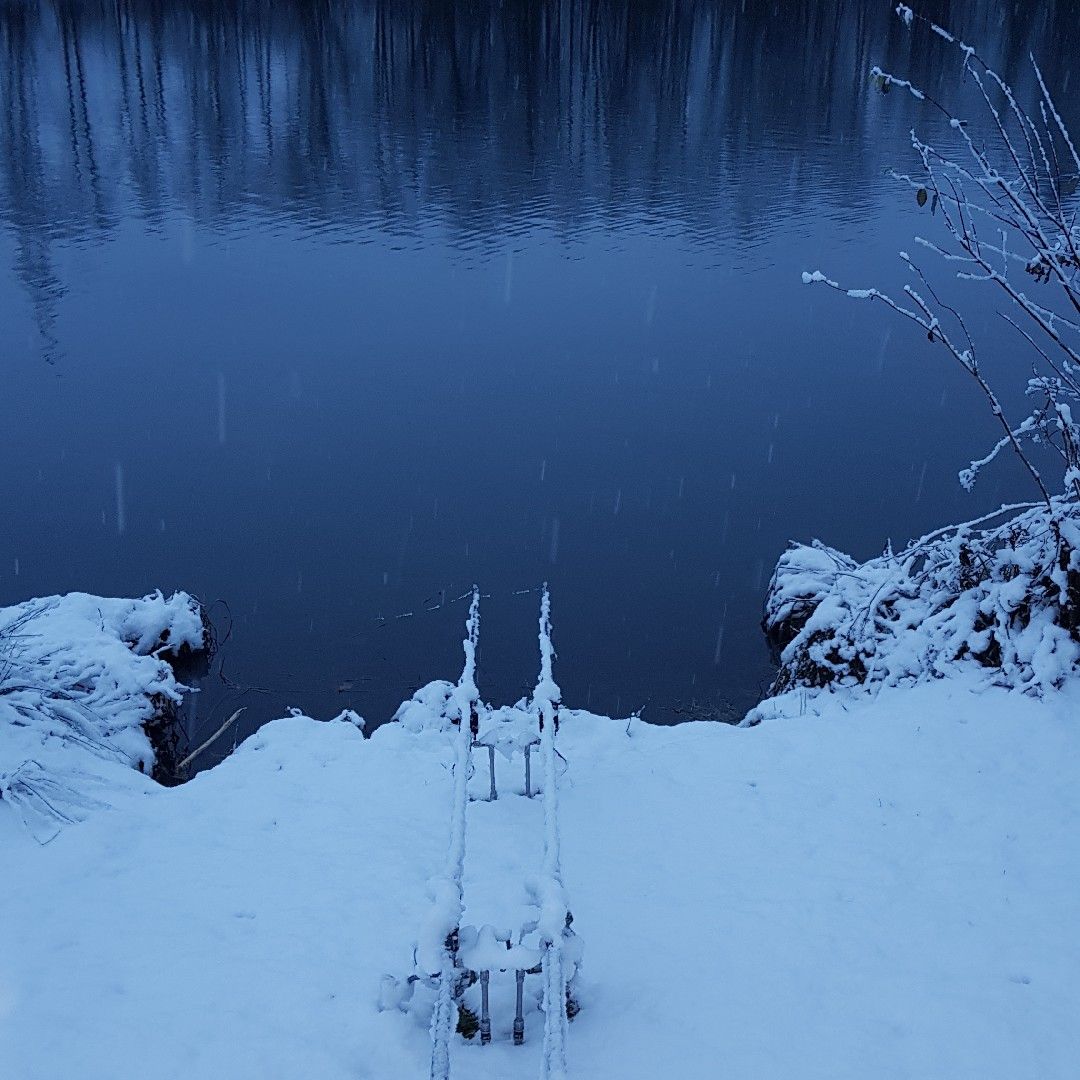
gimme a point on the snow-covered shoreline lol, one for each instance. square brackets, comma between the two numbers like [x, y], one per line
[860, 885]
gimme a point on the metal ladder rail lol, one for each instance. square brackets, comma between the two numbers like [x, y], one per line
[554, 915]
[449, 888]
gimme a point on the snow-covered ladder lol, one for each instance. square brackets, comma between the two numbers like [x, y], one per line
[441, 948]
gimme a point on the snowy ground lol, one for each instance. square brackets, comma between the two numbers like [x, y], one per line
[884, 890]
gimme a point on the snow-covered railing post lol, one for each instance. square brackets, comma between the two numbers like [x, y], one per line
[485, 1009]
[554, 918]
[519, 1008]
[442, 933]
[528, 767]
[493, 794]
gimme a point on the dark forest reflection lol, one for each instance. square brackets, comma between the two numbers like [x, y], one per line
[484, 116]
[369, 301]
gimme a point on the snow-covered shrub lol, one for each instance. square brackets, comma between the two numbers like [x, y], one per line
[429, 709]
[1007, 596]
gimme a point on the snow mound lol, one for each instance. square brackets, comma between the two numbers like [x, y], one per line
[429, 709]
[507, 728]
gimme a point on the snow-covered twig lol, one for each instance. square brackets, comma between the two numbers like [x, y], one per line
[209, 742]
[1016, 182]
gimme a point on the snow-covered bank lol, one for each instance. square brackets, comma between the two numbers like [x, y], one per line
[883, 889]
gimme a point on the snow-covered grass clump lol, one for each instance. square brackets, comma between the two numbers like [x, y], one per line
[1002, 599]
[87, 682]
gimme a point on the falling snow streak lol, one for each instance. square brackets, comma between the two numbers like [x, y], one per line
[121, 510]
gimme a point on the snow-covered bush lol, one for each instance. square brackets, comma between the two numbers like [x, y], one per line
[1004, 596]
[429, 709]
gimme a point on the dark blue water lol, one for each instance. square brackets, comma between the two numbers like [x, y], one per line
[330, 310]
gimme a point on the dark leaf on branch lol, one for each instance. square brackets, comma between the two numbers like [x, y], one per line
[921, 196]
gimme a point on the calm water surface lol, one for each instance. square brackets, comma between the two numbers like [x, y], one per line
[330, 310]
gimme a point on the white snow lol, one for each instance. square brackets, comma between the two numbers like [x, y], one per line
[888, 79]
[492, 949]
[861, 887]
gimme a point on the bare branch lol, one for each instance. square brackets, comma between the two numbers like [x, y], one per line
[213, 738]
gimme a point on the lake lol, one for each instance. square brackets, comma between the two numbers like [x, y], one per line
[325, 311]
